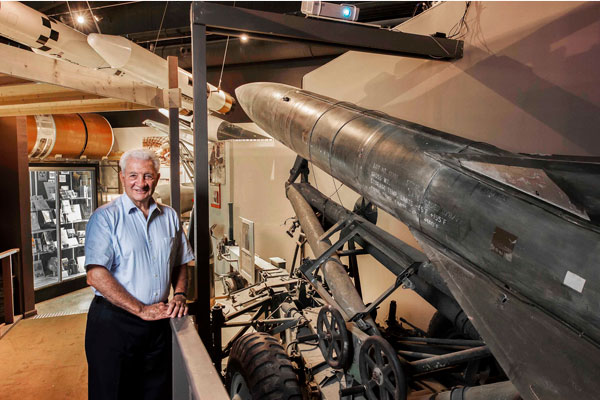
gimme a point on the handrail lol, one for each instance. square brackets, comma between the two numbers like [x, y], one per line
[7, 283]
[194, 375]
[9, 252]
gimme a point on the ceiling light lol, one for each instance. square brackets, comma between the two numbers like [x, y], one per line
[244, 38]
[80, 19]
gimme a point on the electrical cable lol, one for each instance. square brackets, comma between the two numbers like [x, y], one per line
[93, 17]
[337, 191]
[223, 63]
[160, 28]
[71, 13]
[224, 56]
[314, 174]
[455, 31]
[94, 8]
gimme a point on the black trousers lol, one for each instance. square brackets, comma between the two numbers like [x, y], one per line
[128, 358]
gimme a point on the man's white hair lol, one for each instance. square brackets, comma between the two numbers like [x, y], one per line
[139, 154]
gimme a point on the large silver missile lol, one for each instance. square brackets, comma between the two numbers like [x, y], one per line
[516, 237]
[46, 35]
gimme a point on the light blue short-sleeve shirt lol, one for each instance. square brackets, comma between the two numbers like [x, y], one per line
[139, 252]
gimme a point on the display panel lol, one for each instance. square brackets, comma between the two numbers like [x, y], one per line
[58, 242]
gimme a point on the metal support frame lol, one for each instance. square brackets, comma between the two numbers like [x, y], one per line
[271, 26]
[234, 21]
[395, 255]
[261, 310]
[217, 321]
[351, 227]
[201, 234]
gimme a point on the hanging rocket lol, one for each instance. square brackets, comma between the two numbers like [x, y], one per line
[123, 54]
[47, 36]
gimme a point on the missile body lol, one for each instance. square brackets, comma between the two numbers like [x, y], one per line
[503, 216]
[135, 60]
[46, 35]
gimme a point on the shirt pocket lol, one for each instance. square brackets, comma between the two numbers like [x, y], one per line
[169, 251]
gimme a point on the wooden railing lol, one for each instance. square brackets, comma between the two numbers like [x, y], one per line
[6, 257]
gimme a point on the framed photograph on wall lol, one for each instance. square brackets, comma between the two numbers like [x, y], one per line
[215, 195]
[216, 163]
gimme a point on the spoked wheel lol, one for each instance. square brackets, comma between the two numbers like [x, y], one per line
[334, 340]
[380, 370]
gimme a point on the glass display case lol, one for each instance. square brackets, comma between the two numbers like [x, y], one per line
[62, 200]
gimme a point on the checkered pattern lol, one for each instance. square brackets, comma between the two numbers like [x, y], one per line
[48, 34]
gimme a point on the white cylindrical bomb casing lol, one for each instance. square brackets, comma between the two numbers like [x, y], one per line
[125, 55]
[46, 36]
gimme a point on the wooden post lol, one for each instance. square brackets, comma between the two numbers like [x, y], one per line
[174, 133]
[15, 224]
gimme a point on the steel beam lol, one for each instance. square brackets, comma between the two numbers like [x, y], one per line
[201, 234]
[234, 21]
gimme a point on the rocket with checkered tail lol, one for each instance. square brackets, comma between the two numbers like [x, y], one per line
[112, 54]
[47, 36]
[515, 237]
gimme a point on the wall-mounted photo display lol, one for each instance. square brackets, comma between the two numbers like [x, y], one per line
[216, 163]
[215, 196]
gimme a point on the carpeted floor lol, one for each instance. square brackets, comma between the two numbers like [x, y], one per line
[44, 359]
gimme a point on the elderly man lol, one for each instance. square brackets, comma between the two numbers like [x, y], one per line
[134, 249]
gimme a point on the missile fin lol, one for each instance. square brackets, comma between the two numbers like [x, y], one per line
[570, 183]
[497, 312]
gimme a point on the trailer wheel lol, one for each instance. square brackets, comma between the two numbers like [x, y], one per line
[380, 370]
[259, 368]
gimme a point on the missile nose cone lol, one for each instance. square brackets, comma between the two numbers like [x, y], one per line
[262, 102]
[245, 95]
[116, 50]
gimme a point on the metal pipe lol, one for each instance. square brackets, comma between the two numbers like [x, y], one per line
[494, 391]
[339, 282]
[446, 360]
[449, 342]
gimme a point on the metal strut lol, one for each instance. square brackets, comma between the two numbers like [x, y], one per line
[352, 227]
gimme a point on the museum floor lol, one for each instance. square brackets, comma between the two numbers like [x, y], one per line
[43, 357]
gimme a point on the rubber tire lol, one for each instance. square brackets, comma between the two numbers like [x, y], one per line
[265, 367]
[442, 328]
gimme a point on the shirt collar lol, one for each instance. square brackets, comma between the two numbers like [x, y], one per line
[129, 205]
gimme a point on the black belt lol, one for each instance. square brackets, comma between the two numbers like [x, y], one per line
[103, 301]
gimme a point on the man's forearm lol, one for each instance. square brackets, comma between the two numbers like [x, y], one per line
[179, 278]
[100, 278]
